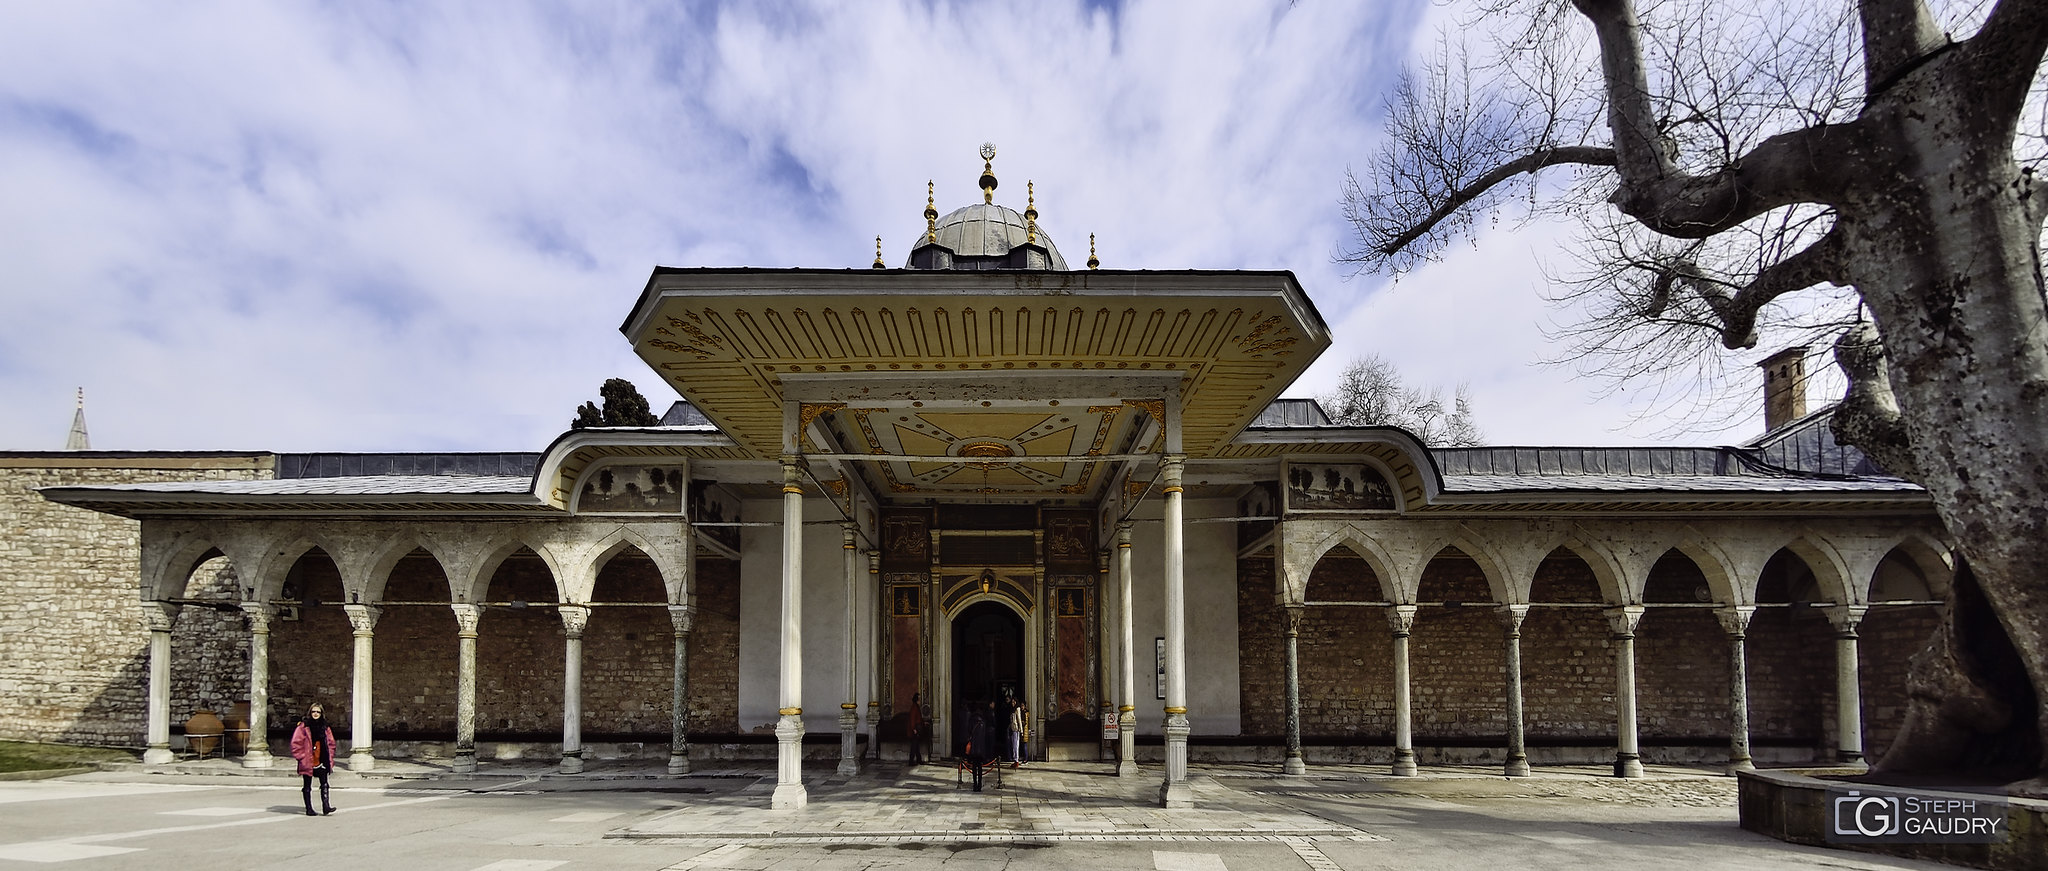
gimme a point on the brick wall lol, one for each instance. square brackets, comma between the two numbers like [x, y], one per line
[1457, 656]
[74, 649]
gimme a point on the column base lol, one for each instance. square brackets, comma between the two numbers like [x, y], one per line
[1177, 795]
[1126, 768]
[572, 762]
[1851, 760]
[789, 764]
[1404, 763]
[679, 764]
[258, 758]
[849, 765]
[1740, 763]
[789, 797]
[1127, 745]
[361, 760]
[158, 756]
[1517, 766]
[465, 762]
[1628, 765]
[1294, 766]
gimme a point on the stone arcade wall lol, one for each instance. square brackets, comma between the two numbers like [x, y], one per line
[1458, 666]
[73, 647]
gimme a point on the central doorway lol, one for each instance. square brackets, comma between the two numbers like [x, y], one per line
[988, 662]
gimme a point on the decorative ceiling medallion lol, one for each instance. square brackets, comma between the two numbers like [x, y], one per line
[986, 449]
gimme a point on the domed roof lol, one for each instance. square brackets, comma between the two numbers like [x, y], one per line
[988, 230]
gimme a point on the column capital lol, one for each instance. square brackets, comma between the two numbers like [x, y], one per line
[682, 617]
[1170, 468]
[466, 618]
[259, 614]
[1624, 620]
[574, 618]
[1294, 615]
[1735, 618]
[792, 472]
[847, 533]
[1511, 617]
[1402, 619]
[1846, 618]
[1123, 534]
[362, 617]
[160, 616]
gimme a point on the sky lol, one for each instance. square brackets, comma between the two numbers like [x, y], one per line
[369, 226]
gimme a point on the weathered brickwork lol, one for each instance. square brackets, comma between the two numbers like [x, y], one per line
[1682, 657]
[628, 652]
[715, 648]
[73, 648]
[1890, 635]
[312, 657]
[1567, 656]
[209, 645]
[1457, 656]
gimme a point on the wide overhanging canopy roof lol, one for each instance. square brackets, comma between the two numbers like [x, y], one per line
[961, 377]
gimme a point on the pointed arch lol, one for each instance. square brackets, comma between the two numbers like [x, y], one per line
[1488, 563]
[1933, 558]
[167, 564]
[1605, 566]
[1830, 569]
[1714, 563]
[1375, 556]
[385, 555]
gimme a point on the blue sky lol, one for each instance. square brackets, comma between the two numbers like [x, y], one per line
[357, 226]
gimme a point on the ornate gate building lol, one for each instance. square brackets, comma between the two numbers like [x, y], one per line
[989, 474]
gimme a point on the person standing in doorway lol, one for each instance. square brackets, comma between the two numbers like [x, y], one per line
[313, 747]
[1016, 733]
[916, 729]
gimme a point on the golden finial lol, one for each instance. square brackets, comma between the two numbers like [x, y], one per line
[878, 254]
[1092, 262]
[988, 172]
[1030, 213]
[931, 215]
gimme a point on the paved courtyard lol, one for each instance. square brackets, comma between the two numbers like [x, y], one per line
[1050, 815]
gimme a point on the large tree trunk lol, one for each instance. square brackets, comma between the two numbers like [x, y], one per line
[1943, 247]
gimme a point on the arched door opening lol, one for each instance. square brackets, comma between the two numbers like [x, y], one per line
[988, 662]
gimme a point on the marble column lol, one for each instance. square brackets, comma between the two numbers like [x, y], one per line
[1175, 791]
[1628, 758]
[789, 729]
[1294, 763]
[849, 710]
[1735, 622]
[680, 617]
[159, 617]
[364, 619]
[574, 619]
[1848, 685]
[1126, 713]
[466, 618]
[1401, 618]
[1511, 617]
[875, 604]
[258, 753]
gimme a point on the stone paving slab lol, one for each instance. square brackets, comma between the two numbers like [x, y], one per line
[1047, 801]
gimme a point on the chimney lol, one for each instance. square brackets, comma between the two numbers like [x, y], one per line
[1784, 387]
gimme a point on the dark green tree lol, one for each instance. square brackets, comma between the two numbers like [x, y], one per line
[623, 406]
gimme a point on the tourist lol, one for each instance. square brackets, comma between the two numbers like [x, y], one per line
[1017, 715]
[313, 747]
[916, 729]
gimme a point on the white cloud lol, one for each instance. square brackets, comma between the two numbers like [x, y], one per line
[395, 228]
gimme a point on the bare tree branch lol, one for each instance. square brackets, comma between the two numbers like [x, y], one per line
[1998, 65]
[1528, 163]
[1792, 167]
[1818, 263]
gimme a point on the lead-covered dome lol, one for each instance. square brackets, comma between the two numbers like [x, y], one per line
[986, 236]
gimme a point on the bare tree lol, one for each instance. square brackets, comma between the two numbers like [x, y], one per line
[1371, 392]
[1730, 161]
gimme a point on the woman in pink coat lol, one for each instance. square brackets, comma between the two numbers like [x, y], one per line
[313, 747]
